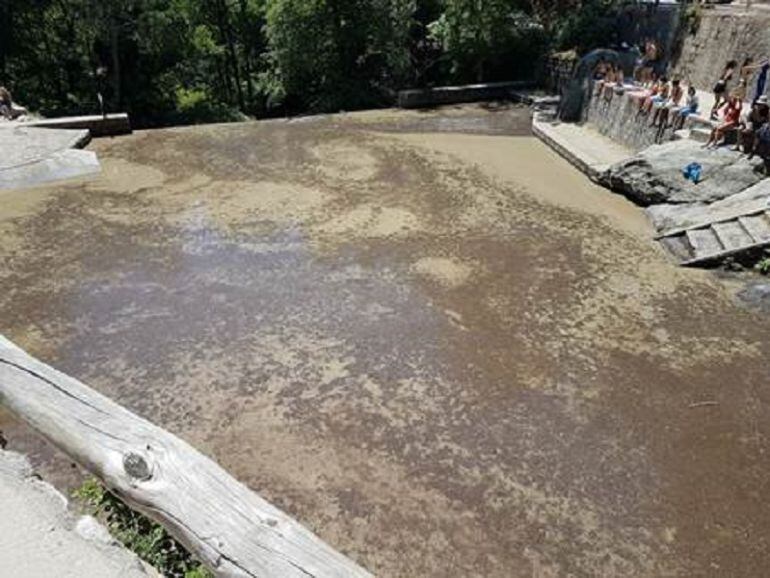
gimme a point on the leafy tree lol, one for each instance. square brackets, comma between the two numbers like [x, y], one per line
[487, 39]
[169, 61]
[331, 54]
[590, 25]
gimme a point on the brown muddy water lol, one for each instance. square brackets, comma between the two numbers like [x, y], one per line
[424, 335]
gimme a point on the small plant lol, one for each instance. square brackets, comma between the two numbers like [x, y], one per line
[139, 534]
[763, 266]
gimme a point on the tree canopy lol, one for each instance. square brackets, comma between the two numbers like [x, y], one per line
[173, 61]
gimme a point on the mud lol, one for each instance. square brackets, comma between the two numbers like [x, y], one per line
[449, 354]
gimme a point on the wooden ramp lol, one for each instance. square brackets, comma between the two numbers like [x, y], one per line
[712, 241]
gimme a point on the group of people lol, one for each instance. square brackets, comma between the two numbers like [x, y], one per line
[752, 128]
[669, 104]
[664, 99]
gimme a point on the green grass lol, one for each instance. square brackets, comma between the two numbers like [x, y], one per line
[138, 533]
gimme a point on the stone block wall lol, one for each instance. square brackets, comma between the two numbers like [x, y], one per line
[616, 117]
[723, 33]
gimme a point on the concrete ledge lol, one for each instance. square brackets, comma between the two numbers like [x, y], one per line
[41, 537]
[585, 149]
[57, 166]
[423, 97]
[97, 125]
[34, 155]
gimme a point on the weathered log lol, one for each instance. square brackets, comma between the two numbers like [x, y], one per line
[227, 526]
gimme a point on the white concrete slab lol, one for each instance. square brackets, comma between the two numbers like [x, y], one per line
[31, 156]
[40, 538]
[581, 145]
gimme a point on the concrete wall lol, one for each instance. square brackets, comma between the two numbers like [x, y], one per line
[617, 119]
[426, 97]
[724, 33]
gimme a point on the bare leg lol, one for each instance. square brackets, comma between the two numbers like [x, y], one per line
[715, 108]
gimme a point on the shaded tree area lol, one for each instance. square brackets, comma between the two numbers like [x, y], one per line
[180, 61]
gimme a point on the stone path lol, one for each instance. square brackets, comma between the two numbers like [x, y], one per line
[40, 538]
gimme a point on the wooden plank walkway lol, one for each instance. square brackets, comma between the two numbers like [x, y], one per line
[713, 241]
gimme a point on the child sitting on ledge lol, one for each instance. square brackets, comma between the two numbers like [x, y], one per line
[662, 107]
[658, 93]
[690, 107]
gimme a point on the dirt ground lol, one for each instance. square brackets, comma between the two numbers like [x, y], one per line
[423, 334]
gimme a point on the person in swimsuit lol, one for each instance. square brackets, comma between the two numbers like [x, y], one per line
[662, 108]
[757, 117]
[690, 107]
[720, 88]
[732, 116]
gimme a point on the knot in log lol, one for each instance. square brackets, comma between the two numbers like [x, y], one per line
[137, 467]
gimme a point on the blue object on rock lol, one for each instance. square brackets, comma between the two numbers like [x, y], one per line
[692, 172]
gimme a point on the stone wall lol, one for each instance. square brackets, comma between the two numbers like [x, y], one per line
[723, 33]
[426, 97]
[616, 117]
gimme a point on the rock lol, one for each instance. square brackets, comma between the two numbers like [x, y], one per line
[655, 174]
[88, 528]
[757, 295]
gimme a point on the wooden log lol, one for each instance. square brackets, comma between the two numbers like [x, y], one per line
[227, 526]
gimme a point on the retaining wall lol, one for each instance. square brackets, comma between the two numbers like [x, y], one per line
[424, 97]
[723, 33]
[617, 117]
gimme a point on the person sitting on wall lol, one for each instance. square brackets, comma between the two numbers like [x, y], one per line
[607, 75]
[649, 61]
[720, 88]
[690, 107]
[6, 103]
[730, 122]
[650, 92]
[600, 70]
[662, 108]
[758, 116]
[620, 80]
[609, 82]
[762, 144]
[9, 110]
[663, 91]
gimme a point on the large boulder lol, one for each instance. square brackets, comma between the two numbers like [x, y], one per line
[655, 174]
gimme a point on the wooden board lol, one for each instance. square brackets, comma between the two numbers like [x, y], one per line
[227, 526]
[704, 242]
[758, 226]
[732, 235]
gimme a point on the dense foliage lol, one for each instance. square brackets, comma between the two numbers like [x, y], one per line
[172, 61]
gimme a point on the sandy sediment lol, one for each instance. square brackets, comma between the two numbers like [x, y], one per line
[440, 347]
